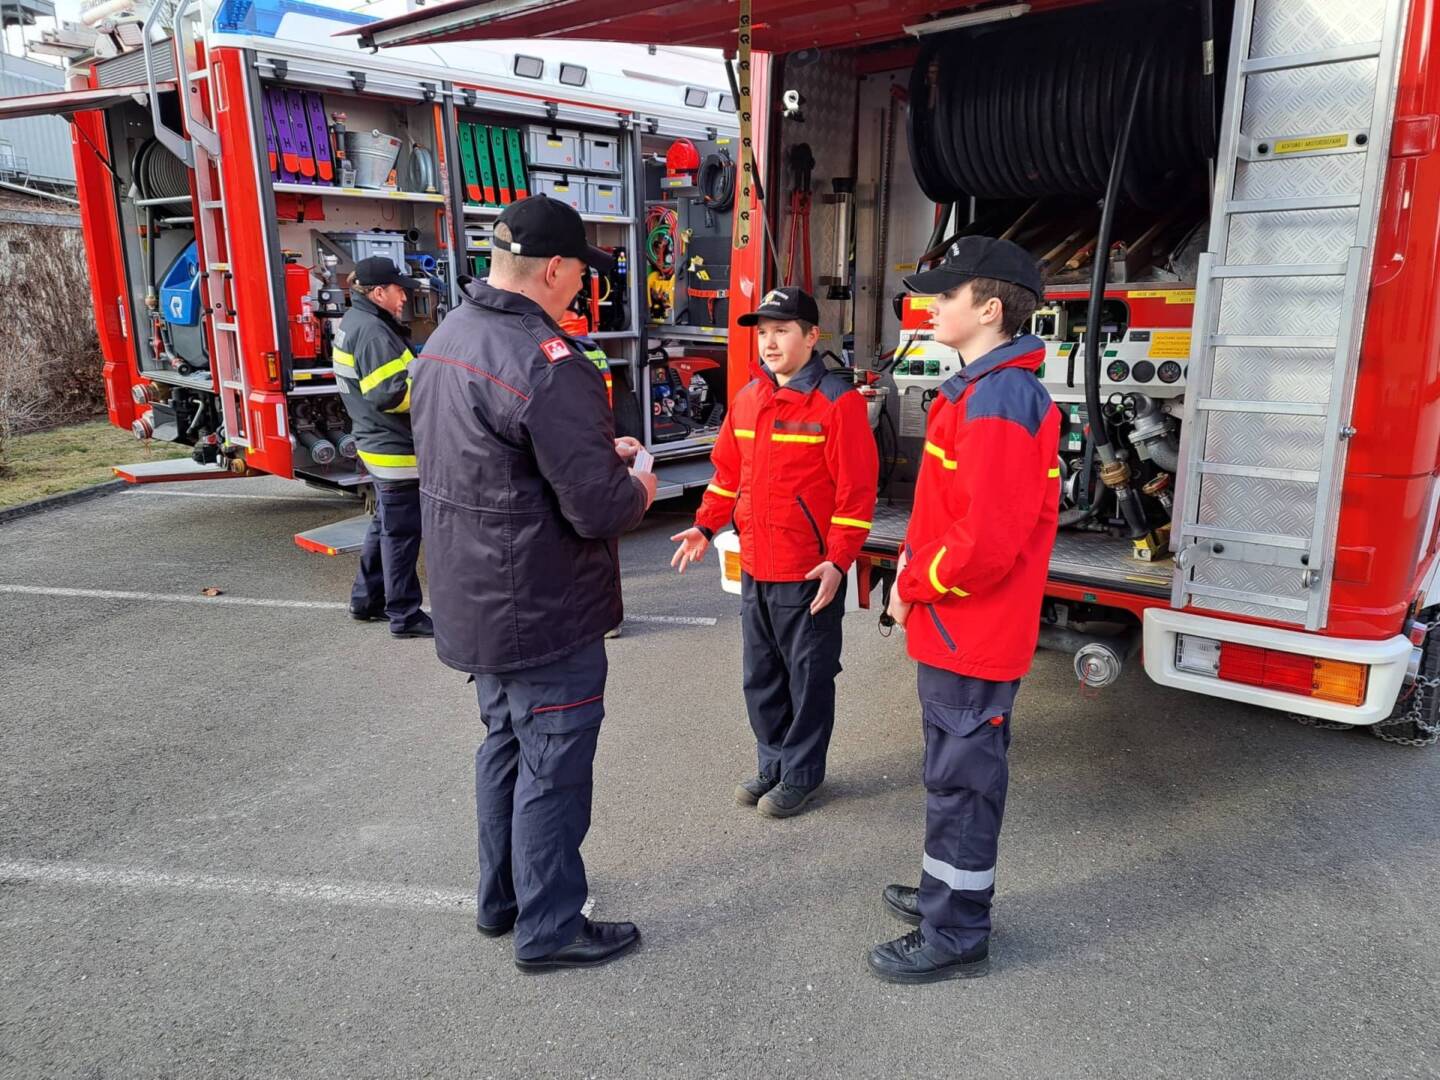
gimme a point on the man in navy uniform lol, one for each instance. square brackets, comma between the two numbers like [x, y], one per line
[524, 494]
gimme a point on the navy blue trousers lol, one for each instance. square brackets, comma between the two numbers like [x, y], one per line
[387, 575]
[533, 783]
[791, 659]
[967, 773]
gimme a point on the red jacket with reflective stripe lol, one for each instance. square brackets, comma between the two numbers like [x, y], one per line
[986, 504]
[796, 468]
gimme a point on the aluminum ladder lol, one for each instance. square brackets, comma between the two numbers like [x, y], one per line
[1280, 305]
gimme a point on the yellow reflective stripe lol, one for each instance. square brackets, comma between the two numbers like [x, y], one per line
[384, 371]
[341, 357]
[931, 448]
[797, 438]
[404, 405]
[718, 490]
[744, 433]
[398, 461]
[1054, 474]
[935, 575]
[854, 523]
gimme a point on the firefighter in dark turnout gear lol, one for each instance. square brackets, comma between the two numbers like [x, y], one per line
[372, 369]
[795, 469]
[973, 570]
[524, 495]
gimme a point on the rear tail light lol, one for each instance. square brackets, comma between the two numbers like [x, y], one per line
[1291, 673]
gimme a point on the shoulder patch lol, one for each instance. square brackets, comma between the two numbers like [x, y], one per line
[556, 349]
[834, 386]
[1013, 394]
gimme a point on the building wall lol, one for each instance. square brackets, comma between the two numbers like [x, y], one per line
[41, 144]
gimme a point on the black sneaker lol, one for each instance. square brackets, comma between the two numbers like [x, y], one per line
[911, 959]
[749, 792]
[373, 614]
[418, 626]
[785, 800]
[903, 901]
[597, 943]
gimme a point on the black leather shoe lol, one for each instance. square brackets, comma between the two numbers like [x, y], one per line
[749, 792]
[786, 800]
[496, 931]
[903, 901]
[911, 959]
[597, 943]
[418, 626]
[374, 614]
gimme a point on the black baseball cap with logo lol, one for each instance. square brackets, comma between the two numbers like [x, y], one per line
[980, 257]
[378, 270]
[542, 227]
[788, 303]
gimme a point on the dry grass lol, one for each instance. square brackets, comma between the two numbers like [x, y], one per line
[63, 459]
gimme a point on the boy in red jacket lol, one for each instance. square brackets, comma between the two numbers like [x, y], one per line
[969, 590]
[796, 470]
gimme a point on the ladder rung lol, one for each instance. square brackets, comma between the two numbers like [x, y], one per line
[1217, 593]
[1306, 202]
[197, 76]
[1341, 54]
[1276, 408]
[1259, 472]
[228, 327]
[1240, 536]
[212, 204]
[1279, 270]
[219, 268]
[1271, 341]
[232, 384]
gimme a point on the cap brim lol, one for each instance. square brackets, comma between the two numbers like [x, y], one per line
[934, 282]
[752, 318]
[599, 259]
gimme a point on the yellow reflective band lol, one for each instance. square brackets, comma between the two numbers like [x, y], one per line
[1054, 474]
[384, 371]
[854, 523]
[404, 405]
[931, 448]
[935, 575]
[342, 358]
[812, 439]
[718, 490]
[396, 461]
[744, 433]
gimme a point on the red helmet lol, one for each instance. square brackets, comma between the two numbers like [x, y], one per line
[682, 158]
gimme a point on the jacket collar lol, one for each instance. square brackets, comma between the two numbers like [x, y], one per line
[1026, 351]
[482, 294]
[369, 307]
[804, 380]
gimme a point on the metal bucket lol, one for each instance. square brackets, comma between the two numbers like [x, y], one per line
[373, 154]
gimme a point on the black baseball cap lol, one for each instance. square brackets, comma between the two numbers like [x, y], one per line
[980, 257]
[788, 303]
[543, 227]
[378, 270]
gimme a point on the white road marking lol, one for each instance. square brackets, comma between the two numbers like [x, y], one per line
[337, 499]
[171, 598]
[260, 601]
[341, 893]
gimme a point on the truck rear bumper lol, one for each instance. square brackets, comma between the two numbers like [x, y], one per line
[1388, 661]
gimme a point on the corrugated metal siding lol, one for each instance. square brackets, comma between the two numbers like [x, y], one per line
[41, 144]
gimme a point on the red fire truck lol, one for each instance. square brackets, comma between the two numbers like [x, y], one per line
[1240, 257]
[234, 160]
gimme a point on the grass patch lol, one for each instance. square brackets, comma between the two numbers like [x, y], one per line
[66, 458]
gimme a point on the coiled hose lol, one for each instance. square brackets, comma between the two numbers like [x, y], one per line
[1032, 108]
[716, 182]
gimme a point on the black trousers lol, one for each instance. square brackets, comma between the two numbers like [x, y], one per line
[387, 574]
[791, 659]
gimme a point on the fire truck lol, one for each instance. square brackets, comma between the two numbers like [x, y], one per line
[1236, 206]
[235, 160]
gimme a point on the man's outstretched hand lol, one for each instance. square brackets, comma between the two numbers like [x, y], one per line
[693, 546]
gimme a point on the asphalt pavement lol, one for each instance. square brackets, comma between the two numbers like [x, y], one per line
[237, 839]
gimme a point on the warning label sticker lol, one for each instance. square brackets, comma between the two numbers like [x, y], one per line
[1312, 142]
[1170, 296]
[920, 303]
[1170, 345]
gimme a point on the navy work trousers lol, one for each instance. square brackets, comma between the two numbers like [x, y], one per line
[791, 659]
[387, 576]
[533, 784]
[967, 773]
